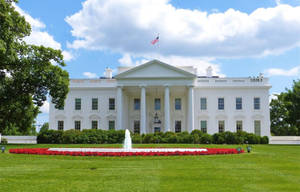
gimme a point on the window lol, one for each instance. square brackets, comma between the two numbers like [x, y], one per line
[157, 103]
[136, 126]
[204, 126]
[239, 126]
[77, 125]
[94, 124]
[256, 103]
[111, 104]
[111, 125]
[221, 126]
[178, 104]
[257, 127]
[221, 103]
[77, 104]
[238, 103]
[203, 103]
[137, 104]
[94, 103]
[177, 126]
[156, 129]
[60, 125]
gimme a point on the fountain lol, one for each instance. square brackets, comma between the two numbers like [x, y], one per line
[127, 141]
[127, 150]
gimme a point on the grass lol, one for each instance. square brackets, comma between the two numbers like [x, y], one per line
[268, 168]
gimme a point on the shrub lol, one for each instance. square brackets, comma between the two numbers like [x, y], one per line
[206, 139]
[196, 138]
[92, 136]
[264, 140]
[219, 138]
[252, 138]
[50, 136]
[136, 138]
[3, 141]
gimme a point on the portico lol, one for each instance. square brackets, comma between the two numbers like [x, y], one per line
[151, 90]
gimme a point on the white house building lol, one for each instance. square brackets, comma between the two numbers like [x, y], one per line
[157, 96]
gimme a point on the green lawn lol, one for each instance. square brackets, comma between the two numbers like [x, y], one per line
[267, 168]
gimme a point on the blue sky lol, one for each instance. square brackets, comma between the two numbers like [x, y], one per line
[238, 38]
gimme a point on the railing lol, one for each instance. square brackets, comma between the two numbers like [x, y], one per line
[233, 81]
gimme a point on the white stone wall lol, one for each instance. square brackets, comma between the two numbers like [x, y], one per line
[86, 114]
[230, 115]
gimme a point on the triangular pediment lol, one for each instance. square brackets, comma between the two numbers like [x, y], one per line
[155, 69]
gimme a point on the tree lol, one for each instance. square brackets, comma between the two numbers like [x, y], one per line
[285, 112]
[45, 127]
[28, 73]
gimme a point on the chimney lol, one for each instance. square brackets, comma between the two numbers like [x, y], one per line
[108, 73]
[209, 71]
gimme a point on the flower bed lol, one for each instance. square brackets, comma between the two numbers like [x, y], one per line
[45, 151]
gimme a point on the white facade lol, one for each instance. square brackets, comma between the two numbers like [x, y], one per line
[177, 92]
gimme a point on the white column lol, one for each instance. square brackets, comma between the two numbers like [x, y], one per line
[143, 109]
[167, 109]
[119, 108]
[191, 109]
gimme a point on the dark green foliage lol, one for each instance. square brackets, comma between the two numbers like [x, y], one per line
[27, 74]
[93, 136]
[44, 127]
[285, 113]
[264, 140]
[206, 139]
[3, 141]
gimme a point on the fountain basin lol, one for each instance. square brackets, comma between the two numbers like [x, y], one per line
[124, 152]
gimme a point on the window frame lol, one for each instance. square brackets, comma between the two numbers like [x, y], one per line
[220, 105]
[178, 129]
[255, 104]
[95, 104]
[111, 122]
[257, 130]
[178, 107]
[238, 106]
[92, 124]
[78, 104]
[203, 129]
[59, 125]
[157, 106]
[239, 125]
[77, 125]
[203, 106]
[220, 128]
[136, 104]
[111, 106]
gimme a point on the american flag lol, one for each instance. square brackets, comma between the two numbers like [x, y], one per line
[155, 40]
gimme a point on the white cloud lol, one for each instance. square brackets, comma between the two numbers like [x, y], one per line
[90, 75]
[273, 96]
[45, 107]
[39, 36]
[67, 55]
[283, 72]
[129, 26]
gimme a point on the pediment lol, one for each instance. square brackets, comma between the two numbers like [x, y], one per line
[155, 69]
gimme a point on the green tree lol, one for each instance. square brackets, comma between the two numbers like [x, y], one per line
[45, 127]
[28, 73]
[285, 112]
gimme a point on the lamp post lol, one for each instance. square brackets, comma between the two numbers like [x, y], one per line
[249, 148]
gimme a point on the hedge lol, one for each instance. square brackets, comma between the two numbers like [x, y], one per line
[92, 136]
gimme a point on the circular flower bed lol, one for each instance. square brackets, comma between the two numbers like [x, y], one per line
[180, 151]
